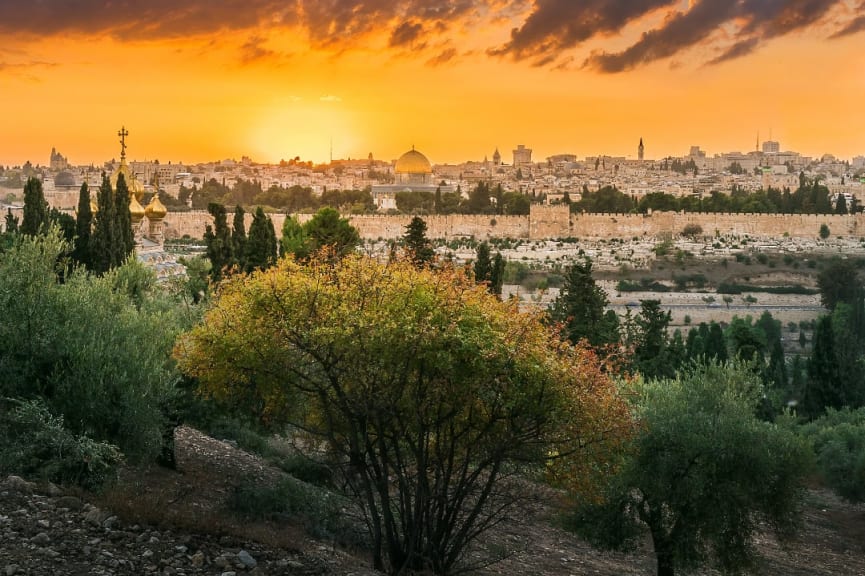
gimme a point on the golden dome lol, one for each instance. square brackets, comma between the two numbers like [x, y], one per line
[94, 207]
[135, 187]
[155, 210]
[413, 162]
[136, 210]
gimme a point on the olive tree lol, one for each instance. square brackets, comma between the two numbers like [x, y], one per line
[701, 474]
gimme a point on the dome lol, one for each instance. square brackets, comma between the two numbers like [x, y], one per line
[135, 187]
[155, 210]
[64, 178]
[136, 210]
[413, 162]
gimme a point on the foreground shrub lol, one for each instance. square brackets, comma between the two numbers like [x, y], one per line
[35, 443]
[839, 445]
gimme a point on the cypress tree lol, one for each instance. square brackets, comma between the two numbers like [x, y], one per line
[11, 222]
[105, 233]
[823, 389]
[125, 237]
[218, 240]
[497, 274]
[35, 208]
[238, 237]
[580, 307]
[261, 243]
[483, 264]
[83, 229]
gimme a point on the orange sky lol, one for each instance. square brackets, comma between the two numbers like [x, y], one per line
[192, 82]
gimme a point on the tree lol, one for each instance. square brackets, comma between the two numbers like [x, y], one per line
[126, 238]
[580, 306]
[426, 390]
[839, 282]
[824, 231]
[824, 388]
[483, 265]
[416, 243]
[218, 240]
[35, 208]
[106, 236]
[327, 229]
[293, 238]
[841, 205]
[238, 237]
[652, 355]
[83, 229]
[497, 274]
[701, 474]
[261, 250]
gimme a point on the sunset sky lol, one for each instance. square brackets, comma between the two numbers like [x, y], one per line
[203, 80]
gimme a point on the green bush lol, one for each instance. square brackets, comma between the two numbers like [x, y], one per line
[839, 445]
[318, 510]
[35, 443]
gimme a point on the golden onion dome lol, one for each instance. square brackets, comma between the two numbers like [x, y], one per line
[155, 210]
[135, 187]
[136, 210]
[413, 162]
[94, 207]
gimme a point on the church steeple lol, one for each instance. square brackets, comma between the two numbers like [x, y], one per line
[640, 150]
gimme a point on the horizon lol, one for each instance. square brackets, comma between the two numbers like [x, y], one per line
[197, 82]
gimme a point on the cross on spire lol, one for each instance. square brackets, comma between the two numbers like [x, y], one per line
[123, 133]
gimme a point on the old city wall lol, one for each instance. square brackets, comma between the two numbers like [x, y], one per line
[555, 222]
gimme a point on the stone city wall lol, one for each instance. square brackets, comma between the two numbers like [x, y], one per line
[546, 222]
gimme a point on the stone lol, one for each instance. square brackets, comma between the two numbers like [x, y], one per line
[18, 484]
[197, 559]
[246, 559]
[12, 569]
[41, 539]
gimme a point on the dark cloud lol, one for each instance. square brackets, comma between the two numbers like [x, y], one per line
[443, 57]
[406, 34]
[754, 21]
[138, 19]
[678, 31]
[555, 25]
[854, 26]
[254, 49]
[737, 50]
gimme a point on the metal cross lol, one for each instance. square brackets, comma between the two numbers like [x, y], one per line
[123, 133]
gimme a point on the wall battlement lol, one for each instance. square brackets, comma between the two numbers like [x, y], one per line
[546, 222]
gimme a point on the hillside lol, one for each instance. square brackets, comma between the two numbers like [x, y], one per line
[157, 521]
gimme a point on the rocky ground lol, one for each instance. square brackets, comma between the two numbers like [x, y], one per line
[163, 522]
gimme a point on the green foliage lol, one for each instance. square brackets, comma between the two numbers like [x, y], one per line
[35, 443]
[261, 245]
[327, 229]
[81, 252]
[416, 243]
[293, 239]
[824, 231]
[126, 237]
[653, 356]
[838, 438]
[219, 244]
[839, 282]
[35, 219]
[106, 235]
[238, 237]
[320, 511]
[580, 307]
[93, 349]
[702, 475]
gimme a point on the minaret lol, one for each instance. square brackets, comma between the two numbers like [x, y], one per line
[640, 150]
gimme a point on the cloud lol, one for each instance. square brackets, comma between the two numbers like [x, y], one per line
[443, 57]
[330, 98]
[406, 34]
[253, 50]
[556, 25]
[854, 26]
[753, 21]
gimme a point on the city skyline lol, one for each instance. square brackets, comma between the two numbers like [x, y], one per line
[199, 81]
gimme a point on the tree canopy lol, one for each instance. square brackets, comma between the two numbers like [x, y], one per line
[701, 474]
[427, 390]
